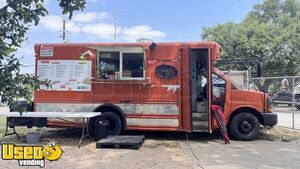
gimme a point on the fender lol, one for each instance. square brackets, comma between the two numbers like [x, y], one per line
[254, 111]
[115, 108]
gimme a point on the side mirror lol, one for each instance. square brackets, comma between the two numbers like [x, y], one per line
[259, 69]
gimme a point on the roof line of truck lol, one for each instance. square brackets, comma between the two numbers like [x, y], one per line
[208, 43]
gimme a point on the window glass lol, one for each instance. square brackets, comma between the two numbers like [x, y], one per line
[219, 90]
[133, 65]
[109, 63]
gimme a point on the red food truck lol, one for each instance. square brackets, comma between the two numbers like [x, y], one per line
[146, 86]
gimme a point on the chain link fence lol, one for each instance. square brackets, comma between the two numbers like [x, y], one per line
[285, 95]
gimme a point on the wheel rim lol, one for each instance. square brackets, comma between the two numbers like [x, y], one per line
[111, 127]
[245, 127]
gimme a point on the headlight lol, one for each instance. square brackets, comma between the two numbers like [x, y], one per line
[269, 106]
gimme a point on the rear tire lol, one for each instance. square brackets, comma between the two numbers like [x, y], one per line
[244, 126]
[114, 125]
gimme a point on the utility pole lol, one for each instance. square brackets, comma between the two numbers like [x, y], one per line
[115, 24]
[64, 31]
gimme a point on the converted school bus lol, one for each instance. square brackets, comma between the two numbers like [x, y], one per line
[146, 86]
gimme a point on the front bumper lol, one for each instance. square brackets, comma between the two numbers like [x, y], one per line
[270, 119]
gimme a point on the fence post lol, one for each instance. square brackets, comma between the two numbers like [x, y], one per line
[247, 79]
[293, 103]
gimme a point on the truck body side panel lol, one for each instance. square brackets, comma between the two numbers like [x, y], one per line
[152, 103]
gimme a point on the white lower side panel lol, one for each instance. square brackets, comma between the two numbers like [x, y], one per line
[129, 109]
[152, 122]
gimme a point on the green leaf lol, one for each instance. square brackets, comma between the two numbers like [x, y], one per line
[270, 31]
[15, 23]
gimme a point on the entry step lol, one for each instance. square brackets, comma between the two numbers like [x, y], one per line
[121, 141]
[200, 126]
[199, 116]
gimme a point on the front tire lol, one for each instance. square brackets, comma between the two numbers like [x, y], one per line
[245, 126]
[113, 122]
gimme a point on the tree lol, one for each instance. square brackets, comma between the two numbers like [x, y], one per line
[16, 18]
[269, 33]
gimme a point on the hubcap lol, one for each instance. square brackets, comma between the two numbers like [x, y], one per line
[110, 124]
[245, 127]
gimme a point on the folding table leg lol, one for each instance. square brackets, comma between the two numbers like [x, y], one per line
[14, 129]
[87, 129]
[6, 131]
[82, 133]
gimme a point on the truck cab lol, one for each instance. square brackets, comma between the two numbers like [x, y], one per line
[245, 110]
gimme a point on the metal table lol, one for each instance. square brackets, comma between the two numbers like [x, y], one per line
[85, 116]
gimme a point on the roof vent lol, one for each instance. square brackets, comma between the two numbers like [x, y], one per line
[144, 40]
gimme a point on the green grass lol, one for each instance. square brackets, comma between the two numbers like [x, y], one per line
[20, 130]
[160, 143]
[279, 134]
[2, 125]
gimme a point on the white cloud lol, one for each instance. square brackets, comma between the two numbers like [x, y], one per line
[102, 30]
[72, 27]
[92, 24]
[131, 34]
[2, 3]
[89, 16]
[52, 22]
[26, 51]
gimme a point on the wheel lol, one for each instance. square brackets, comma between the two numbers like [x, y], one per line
[109, 123]
[297, 107]
[244, 126]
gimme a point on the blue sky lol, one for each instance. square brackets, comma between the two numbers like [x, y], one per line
[159, 20]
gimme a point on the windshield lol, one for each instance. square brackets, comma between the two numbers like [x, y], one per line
[233, 79]
[235, 85]
[237, 79]
[219, 90]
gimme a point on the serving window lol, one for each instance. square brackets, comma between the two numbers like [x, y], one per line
[121, 64]
[109, 65]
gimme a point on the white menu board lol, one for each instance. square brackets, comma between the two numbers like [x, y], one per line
[65, 75]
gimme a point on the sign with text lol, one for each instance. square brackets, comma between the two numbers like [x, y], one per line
[31, 155]
[46, 51]
[65, 75]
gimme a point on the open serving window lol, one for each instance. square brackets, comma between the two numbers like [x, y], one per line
[121, 63]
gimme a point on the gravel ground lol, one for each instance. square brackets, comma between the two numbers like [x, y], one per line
[155, 153]
[168, 150]
[89, 157]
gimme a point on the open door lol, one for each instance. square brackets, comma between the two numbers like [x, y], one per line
[199, 87]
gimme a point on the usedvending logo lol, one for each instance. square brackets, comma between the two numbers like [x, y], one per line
[29, 155]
